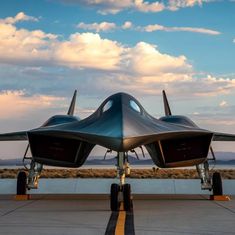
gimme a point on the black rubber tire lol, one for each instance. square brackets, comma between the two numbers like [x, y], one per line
[217, 184]
[114, 204]
[127, 197]
[21, 188]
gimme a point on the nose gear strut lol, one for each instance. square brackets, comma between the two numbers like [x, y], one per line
[123, 190]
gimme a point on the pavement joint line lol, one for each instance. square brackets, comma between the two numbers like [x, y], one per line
[220, 205]
[19, 207]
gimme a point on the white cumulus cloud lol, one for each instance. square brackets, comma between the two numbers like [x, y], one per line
[176, 4]
[127, 25]
[98, 27]
[146, 59]
[105, 64]
[88, 50]
[21, 16]
[146, 6]
[113, 7]
[24, 46]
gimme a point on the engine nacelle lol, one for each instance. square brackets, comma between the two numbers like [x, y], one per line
[180, 152]
[58, 151]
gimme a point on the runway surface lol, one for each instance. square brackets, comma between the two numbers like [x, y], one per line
[87, 215]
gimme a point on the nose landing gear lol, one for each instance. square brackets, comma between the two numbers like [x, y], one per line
[121, 192]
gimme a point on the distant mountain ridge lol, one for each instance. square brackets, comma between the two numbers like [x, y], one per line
[223, 158]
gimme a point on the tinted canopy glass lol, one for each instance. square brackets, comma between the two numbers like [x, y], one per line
[135, 106]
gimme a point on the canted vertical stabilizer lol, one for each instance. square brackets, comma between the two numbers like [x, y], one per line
[72, 104]
[166, 104]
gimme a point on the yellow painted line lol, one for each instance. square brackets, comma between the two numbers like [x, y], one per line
[120, 227]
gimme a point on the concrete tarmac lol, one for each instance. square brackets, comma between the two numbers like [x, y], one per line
[88, 215]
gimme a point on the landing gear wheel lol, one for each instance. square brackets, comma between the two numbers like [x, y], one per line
[21, 183]
[217, 184]
[127, 197]
[114, 197]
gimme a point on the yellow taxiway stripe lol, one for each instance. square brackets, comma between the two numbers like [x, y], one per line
[120, 227]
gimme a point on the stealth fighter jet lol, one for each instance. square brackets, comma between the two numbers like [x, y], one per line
[120, 124]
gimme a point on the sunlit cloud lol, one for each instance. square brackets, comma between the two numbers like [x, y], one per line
[214, 86]
[104, 26]
[21, 16]
[108, 26]
[113, 7]
[146, 6]
[157, 27]
[127, 25]
[223, 103]
[105, 65]
[83, 50]
[98, 27]
[146, 59]
[37, 48]
[17, 103]
[88, 50]
[24, 46]
[177, 4]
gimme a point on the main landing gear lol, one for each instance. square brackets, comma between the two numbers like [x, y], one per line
[28, 181]
[217, 184]
[213, 183]
[121, 192]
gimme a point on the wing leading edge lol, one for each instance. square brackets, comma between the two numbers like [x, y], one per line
[21, 135]
[223, 137]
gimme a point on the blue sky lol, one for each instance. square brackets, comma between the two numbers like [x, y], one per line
[48, 48]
